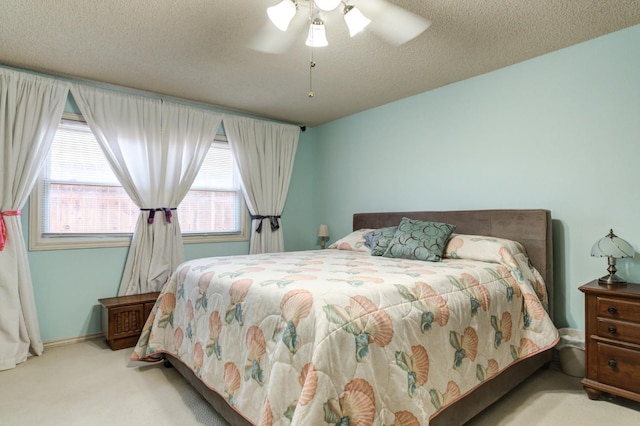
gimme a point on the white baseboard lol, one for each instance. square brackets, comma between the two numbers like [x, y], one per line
[54, 343]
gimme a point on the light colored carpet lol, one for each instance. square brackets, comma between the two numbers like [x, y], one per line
[88, 384]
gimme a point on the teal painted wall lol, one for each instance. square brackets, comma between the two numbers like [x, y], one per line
[559, 132]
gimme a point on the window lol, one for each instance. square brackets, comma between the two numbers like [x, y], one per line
[78, 201]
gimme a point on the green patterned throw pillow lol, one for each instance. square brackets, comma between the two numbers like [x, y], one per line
[378, 240]
[421, 240]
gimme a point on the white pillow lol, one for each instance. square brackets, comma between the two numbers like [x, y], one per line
[354, 242]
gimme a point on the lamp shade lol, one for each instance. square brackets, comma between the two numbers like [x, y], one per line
[355, 20]
[282, 13]
[327, 5]
[317, 36]
[612, 246]
[323, 230]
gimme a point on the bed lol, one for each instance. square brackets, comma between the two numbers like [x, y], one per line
[341, 336]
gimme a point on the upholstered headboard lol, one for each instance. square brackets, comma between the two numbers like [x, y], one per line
[532, 228]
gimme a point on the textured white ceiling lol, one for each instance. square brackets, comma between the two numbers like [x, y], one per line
[197, 50]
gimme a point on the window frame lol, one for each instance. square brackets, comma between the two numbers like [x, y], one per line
[61, 242]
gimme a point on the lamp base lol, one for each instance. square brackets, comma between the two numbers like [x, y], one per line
[612, 280]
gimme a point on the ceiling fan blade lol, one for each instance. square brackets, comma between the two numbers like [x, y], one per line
[271, 40]
[392, 23]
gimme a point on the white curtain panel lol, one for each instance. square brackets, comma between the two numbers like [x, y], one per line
[155, 148]
[30, 110]
[264, 153]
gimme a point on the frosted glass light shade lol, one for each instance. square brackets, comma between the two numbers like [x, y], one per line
[612, 246]
[317, 36]
[327, 5]
[355, 20]
[282, 13]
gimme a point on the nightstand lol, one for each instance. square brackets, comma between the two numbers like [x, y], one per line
[123, 318]
[612, 357]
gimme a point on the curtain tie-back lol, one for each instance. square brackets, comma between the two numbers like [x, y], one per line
[272, 219]
[152, 213]
[3, 228]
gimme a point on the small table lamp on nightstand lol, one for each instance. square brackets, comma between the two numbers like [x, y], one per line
[323, 233]
[612, 247]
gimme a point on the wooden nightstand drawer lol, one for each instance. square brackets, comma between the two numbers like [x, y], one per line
[619, 365]
[123, 318]
[618, 309]
[619, 330]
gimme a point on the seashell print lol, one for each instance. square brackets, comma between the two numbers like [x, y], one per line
[232, 381]
[178, 338]
[453, 246]
[502, 328]
[492, 367]
[182, 273]
[509, 281]
[296, 305]
[204, 281]
[541, 290]
[532, 310]
[416, 365]
[526, 347]
[203, 286]
[439, 399]
[189, 310]
[167, 306]
[507, 257]
[365, 321]
[420, 364]
[373, 320]
[405, 418]
[452, 393]
[358, 403]
[484, 373]
[239, 289]
[466, 345]
[198, 357]
[266, 416]
[256, 345]
[168, 303]
[215, 325]
[430, 302]
[309, 381]
[478, 291]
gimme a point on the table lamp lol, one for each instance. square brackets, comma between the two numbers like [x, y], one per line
[323, 233]
[612, 247]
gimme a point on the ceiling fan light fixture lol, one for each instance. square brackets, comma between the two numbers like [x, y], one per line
[355, 20]
[327, 5]
[282, 13]
[317, 36]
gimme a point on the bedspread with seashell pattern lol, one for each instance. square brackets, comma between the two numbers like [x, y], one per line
[342, 337]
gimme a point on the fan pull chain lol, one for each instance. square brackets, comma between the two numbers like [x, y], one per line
[311, 66]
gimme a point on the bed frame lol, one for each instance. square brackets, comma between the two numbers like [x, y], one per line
[532, 228]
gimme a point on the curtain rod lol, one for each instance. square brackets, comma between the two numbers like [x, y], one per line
[134, 91]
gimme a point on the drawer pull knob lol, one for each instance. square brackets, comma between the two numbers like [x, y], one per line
[612, 329]
[612, 310]
[612, 363]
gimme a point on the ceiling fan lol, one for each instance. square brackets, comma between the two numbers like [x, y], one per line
[289, 18]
